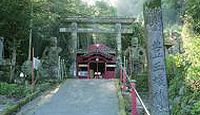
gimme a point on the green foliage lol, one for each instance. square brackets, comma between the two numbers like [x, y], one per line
[172, 11]
[182, 95]
[103, 9]
[5, 73]
[15, 107]
[178, 89]
[142, 82]
[138, 32]
[192, 52]
[196, 108]
[192, 15]
[46, 17]
[184, 82]
[13, 90]
[14, 25]
[138, 29]
[153, 4]
[43, 86]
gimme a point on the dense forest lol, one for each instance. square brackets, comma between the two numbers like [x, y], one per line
[27, 24]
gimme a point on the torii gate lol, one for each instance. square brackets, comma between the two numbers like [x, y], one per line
[121, 27]
[155, 48]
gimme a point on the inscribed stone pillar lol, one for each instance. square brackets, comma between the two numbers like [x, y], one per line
[74, 40]
[119, 45]
[156, 62]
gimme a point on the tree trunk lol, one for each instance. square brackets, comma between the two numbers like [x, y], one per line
[13, 62]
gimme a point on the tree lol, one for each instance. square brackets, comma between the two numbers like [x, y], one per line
[14, 26]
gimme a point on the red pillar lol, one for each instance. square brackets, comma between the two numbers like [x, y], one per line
[124, 76]
[121, 75]
[105, 70]
[97, 68]
[88, 67]
[133, 100]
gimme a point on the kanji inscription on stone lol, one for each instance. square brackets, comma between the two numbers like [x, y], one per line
[156, 60]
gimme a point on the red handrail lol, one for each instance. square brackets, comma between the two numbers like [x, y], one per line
[126, 81]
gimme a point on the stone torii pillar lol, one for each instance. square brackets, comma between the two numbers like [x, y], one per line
[159, 103]
[74, 46]
[119, 43]
[1, 49]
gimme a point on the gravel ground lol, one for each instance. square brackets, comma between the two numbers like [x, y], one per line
[76, 97]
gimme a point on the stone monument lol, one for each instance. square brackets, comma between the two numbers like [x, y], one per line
[159, 103]
[177, 47]
[51, 58]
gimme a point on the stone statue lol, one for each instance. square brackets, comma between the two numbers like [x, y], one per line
[134, 42]
[177, 46]
[50, 57]
[1, 49]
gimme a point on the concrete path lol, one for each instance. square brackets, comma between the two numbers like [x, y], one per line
[77, 97]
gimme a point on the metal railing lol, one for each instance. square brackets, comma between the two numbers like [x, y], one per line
[126, 80]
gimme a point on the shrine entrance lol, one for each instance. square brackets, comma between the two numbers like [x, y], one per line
[98, 62]
[97, 70]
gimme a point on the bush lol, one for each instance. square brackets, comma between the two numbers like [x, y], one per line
[142, 82]
[183, 98]
[13, 90]
[196, 108]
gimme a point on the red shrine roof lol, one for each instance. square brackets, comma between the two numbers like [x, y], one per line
[100, 48]
[93, 50]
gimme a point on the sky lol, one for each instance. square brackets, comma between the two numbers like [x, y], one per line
[92, 2]
[124, 7]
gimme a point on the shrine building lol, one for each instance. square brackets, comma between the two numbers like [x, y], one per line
[99, 61]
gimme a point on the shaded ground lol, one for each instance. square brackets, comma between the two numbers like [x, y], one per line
[76, 97]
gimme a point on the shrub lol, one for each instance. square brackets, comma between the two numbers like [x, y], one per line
[13, 90]
[196, 108]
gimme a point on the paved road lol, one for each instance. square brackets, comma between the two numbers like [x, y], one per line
[77, 97]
